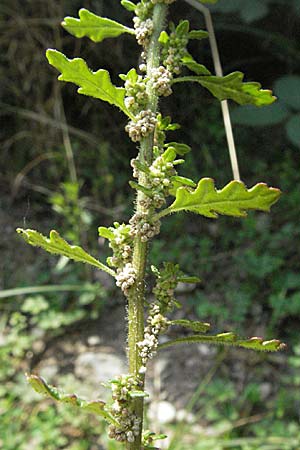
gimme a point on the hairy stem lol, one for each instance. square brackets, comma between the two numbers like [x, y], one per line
[136, 298]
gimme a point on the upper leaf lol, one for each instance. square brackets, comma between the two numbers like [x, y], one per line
[94, 84]
[233, 200]
[58, 246]
[95, 27]
[42, 387]
[232, 87]
[254, 343]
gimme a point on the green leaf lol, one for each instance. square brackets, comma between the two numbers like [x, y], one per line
[202, 327]
[94, 84]
[106, 233]
[287, 88]
[180, 149]
[232, 87]
[163, 38]
[58, 246]
[95, 27]
[189, 62]
[138, 394]
[182, 28]
[267, 116]
[293, 130]
[208, 1]
[128, 5]
[198, 34]
[254, 343]
[139, 187]
[178, 181]
[42, 387]
[188, 279]
[233, 200]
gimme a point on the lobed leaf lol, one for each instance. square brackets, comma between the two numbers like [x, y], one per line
[97, 407]
[233, 200]
[254, 343]
[202, 327]
[58, 246]
[232, 87]
[94, 27]
[94, 84]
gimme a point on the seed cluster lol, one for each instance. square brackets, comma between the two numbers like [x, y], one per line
[141, 226]
[125, 278]
[161, 80]
[145, 124]
[157, 324]
[122, 409]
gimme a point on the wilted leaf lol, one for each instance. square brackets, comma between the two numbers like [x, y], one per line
[232, 87]
[254, 343]
[233, 200]
[94, 84]
[95, 27]
[58, 246]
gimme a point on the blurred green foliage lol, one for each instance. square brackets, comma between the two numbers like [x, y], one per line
[250, 269]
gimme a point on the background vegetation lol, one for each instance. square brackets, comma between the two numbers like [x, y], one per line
[65, 163]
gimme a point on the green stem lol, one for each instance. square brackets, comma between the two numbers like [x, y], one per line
[136, 298]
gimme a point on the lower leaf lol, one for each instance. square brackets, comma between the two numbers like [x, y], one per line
[254, 343]
[96, 406]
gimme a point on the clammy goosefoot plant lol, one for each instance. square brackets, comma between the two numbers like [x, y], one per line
[160, 191]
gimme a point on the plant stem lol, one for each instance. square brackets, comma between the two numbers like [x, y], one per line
[136, 298]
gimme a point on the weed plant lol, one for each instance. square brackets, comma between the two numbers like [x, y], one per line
[160, 192]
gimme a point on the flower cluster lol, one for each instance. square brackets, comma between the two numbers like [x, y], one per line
[143, 30]
[161, 80]
[167, 280]
[157, 324]
[145, 124]
[121, 244]
[136, 96]
[174, 51]
[125, 278]
[144, 9]
[143, 227]
[122, 409]
[159, 180]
